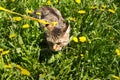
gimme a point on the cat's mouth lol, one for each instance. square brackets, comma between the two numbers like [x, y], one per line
[56, 47]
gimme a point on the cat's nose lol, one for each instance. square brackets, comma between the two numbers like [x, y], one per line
[57, 47]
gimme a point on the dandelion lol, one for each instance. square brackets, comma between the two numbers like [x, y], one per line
[5, 52]
[116, 77]
[82, 39]
[94, 7]
[8, 66]
[1, 49]
[28, 11]
[103, 7]
[17, 18]
[25, 26]
[71, 19]
[25, 72]
[81, 11]
[117, 52]
[111, 11]
[81, 55]
[75, 39]
[78, 1]
[12, 36]
[48, 2]
[19, 67]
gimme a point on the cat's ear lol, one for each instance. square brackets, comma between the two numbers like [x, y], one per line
[49, 27]
[53, 30]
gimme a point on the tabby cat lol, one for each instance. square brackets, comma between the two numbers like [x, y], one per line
[56, 36]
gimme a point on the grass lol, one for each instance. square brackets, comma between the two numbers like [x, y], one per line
[96, 58]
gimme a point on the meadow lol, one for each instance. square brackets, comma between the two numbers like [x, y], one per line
[92, 54]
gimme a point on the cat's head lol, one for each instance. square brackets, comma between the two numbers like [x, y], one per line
[58, 36]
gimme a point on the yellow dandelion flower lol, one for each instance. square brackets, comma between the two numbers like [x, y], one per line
[116, 77]
[43, 22]
[82, 39]
[1, 8]
[75, 39]
[12, 36]
[1, 49]
[48, 2]
[111, 10]
[38, 13]
[103, 6]
[5, 52]
[118, 52]
[81, 55]
[25, 26]
[8, 66]
[17, 18]
[94, 7]
[78, 1]
[71, 19]
[81, 11]
[19, 67]
[28, 11]
[25, 72]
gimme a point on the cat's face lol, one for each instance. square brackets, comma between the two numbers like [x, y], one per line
[58, 39]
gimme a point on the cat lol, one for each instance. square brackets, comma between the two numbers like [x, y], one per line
[57, 36]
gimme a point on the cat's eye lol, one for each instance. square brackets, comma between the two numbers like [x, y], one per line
[46, 25]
